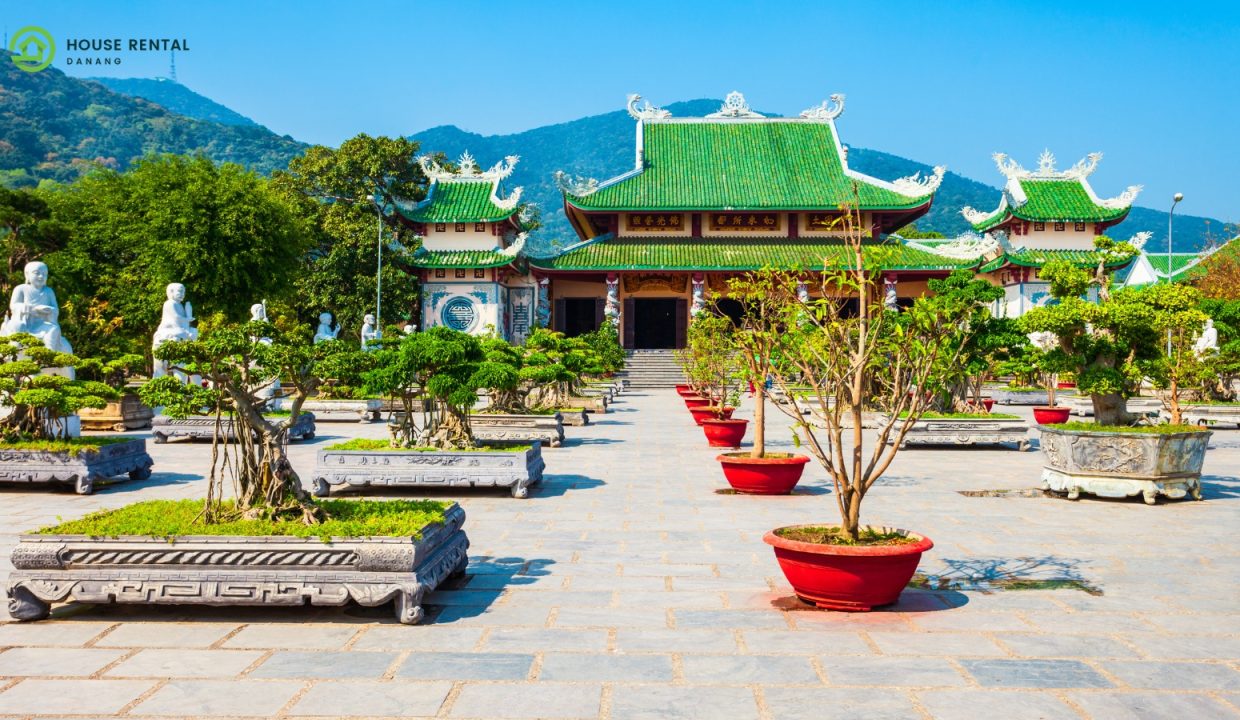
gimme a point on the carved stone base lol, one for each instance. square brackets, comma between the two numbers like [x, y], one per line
[516, 470]
[345, 410]
[129, 413]
[82, 470]
[1123, 464]
[228, 571]
[164, 428]
[967, 431]
[578, 418]
[518, 429]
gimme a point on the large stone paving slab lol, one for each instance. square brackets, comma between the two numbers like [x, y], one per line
[627, 587]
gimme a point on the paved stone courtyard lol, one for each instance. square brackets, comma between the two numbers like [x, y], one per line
[627, 586]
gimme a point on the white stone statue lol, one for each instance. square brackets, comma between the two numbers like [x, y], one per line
[369, 332]
[269, 390]
[1208, 342]
[325, 330]
[699, 297]
[34, 310]
[611, 309]
[802, 293]
[176, 323]
[409, 329]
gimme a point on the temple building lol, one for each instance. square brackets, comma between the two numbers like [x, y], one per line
[711, 197]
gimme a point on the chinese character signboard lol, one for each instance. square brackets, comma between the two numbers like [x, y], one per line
[745, 222]
[654, 222]
[825, 221]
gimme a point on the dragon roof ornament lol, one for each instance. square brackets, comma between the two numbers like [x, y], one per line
[648, 112]
[574, 185]
[1138, 240]
[509, 202]
[822, 112]
[1046, 167]
[1123, 200]
[916, 186]
[734, 106]
[517, 245]
[469, 169]
[969, 246]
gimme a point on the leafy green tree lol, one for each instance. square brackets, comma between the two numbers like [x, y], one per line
[344, 369]
[37, 399]
[219, 229]
[27, 232]
[330, 187]
[710, 361]
[605, 342]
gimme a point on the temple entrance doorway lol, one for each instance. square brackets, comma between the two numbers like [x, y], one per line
[658, 323]
[580, 315]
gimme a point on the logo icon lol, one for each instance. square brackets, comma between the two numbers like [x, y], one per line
[33, 48]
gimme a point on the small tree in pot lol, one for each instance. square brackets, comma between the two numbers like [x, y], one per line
[709, 363]
[854, 353]
[39, 397]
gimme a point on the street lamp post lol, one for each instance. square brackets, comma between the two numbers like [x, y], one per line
[1175, 200]
[378, 268]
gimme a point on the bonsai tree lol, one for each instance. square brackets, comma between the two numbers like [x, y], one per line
[709, 360]
[343, 368]
[114, 373]
[605, 343]
[1179, 318]
[38, 395]
[235, 363]
[442, 369]
[554, 365]
[995, 341]
[855, 353]
[1110, 344]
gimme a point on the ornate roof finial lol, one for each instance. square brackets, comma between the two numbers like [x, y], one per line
[649, 112]
[575, 186]
[734, 106]
[468, 166]
[1009, 167]
[822, 112]
[1046, 163]
[916, 186]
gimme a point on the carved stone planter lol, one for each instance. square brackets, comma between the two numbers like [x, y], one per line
[1017, 397]
[518, 429]
[967, 431]
[516, 470]
[578, 418]
[606, 391]
[81, 471]
[1109, 464]
[230, 571]
[1209, 414]
[344, 410]
[129, 413]
[596, 404]
[201, 427]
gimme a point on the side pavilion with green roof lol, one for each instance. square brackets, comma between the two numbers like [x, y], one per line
[718, 195]
[473, 269]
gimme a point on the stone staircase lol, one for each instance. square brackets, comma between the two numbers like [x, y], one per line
[652, 369]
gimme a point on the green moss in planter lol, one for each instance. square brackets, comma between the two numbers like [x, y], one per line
[72, 446]
[963, 416]
[534, 411]
[347, 518]
[385, 446]
[831, 536]
[1144, 429]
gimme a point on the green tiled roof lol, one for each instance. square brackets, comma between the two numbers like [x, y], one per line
[742, 165]
[430, 259]
[608, 253]
[1178, 261]
[1052, 200]
[1037, 258]
[459, 201]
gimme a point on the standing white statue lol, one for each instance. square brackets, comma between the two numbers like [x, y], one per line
[325, 330]
[1208, 342]
[176, 323]
[258, 313]
[369, 332]
[34, 310]
[699, 297]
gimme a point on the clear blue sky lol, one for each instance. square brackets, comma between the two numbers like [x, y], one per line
[1155, 86]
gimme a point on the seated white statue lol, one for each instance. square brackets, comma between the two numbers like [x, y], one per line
[325, 330]
[1208, 342]
[258, 313]
[34, 310]
[369, 332]
[409, 329]
[176, 323]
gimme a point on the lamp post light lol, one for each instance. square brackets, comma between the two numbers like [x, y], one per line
[378, 268]
[1175, 200]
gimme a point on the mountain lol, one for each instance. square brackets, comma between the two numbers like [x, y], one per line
[55, 127]
[601, 146]
[175, 97]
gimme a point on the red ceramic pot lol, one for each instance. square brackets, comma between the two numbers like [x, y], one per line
[684, 390]
[988, 403]
[1065, 385]
[693, 401]
[710, 412]
[853, 578]
[724, 432]
[1051, 415]
[762, 476]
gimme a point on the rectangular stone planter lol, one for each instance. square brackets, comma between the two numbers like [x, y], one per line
[329, 410]
[235, 571]
[967, 431]
[1209, 414]
[201, 427]
[595, 404]
[1083, 405]
[81, 471]
[515, 470]
[606, 391]
[129, 413]
[1017, 397]
[1111, 464]
[518, 429]
[577, 418]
